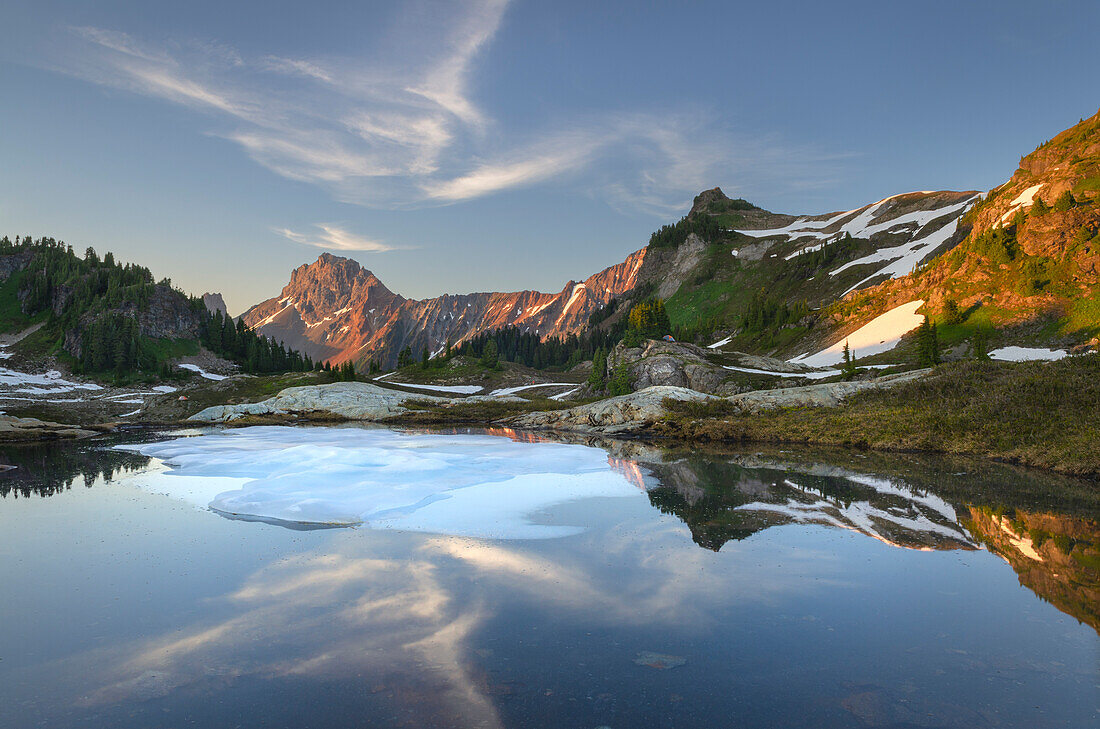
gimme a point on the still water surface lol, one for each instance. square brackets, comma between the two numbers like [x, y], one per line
[483, 585]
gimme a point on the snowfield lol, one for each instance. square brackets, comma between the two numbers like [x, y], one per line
[505, 391]
[881, 334]
[201, 372]
[1027, 354]
[463, 485]
[453, 389]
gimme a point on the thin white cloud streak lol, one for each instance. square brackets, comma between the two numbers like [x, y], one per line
[335, 238]
[405, 131]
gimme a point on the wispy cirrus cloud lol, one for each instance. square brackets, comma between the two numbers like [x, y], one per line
[335, 238]
[403, 129]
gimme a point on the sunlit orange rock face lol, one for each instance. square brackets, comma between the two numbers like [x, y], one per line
[335, 310]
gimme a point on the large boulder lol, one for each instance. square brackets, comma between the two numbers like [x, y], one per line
[351, 400]
[660, 363]
[623, 414]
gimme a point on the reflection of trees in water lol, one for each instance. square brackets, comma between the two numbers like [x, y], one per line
[48, 469]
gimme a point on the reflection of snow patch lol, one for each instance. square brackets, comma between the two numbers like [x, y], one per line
[465, 485]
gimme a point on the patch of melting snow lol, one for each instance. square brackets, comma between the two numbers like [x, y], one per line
[126, 415]
[463, 485]
[563, 395]
[720, 343]
[504, 391]
[164, 389]
[813, 375]
[1027, 354]
[51, 379]
[881, 334]
[454, 389]
[201, 372]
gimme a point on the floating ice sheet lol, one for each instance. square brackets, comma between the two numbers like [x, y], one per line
[462, 484]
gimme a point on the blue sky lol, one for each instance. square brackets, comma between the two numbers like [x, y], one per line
[494, 145]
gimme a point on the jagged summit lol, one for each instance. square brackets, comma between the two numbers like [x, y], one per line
[335, 309]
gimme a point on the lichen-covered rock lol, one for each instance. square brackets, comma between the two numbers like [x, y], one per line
[668, 364]
[351, 400]
[624, 414]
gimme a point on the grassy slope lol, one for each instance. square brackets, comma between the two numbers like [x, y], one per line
[1035, 413]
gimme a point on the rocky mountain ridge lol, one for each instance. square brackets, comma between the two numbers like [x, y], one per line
[336, 310]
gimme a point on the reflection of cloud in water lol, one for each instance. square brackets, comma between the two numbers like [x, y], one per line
[407, 621]
[320, 616]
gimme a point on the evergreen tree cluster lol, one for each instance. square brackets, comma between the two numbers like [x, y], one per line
[256, 354]
[525, 347]
[68, 286]
[806, 265]
[766, 313]
[673, 236]
[102, 300]
[649, 319]
[998, 245]
[928, 344]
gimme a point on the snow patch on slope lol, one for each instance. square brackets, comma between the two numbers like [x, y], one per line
[881, 334]
[1027, 354]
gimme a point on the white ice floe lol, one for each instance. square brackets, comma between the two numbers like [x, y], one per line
[201, 372]
[464, 484]
[452, 389]
[1026, 354]
[505, 391]
[881, 334]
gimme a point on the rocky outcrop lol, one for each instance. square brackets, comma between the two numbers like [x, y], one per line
[335, 310]
[668, 364]
[828, 394]
[624, 414]
[215, 303]
[350, 400]
[14, 429]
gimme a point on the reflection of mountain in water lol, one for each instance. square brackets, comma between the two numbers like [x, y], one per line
[723, 501]
[1056, 555]
[49, 469]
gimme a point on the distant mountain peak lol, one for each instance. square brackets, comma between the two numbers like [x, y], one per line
[336, 310]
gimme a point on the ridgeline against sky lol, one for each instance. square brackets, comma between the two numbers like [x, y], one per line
[498, 145]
